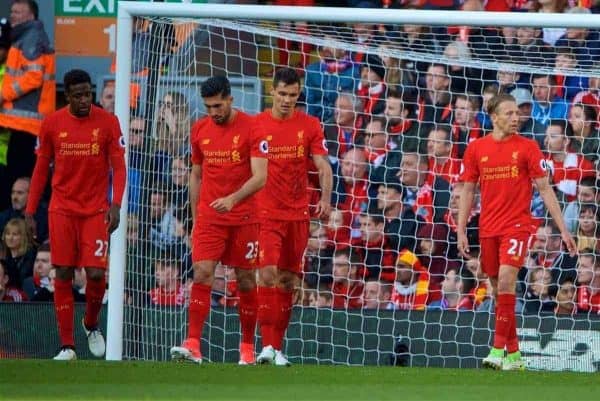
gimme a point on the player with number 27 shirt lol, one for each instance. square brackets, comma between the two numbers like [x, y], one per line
[229, 164]
[84, 142]
[505, 164]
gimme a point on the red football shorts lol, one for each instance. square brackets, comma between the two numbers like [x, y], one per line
[78, 241]
[235, 246]
[503, 250]
[283, 243]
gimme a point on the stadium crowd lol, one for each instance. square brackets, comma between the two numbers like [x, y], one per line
[396, 132]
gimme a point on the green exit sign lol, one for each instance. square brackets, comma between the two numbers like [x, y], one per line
[96, 8]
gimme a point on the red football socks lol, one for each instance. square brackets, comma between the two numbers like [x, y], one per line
[284, 311]
[198, 310]
[247, 311]
[505, 320]
[63, 307]
[94, 293]
[267, 308]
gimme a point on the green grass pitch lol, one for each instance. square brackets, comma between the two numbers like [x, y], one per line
[98, 380]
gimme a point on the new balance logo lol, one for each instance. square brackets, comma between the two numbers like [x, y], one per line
[484, 159]
[63, 135]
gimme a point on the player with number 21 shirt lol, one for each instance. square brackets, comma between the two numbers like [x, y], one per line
[505, 164]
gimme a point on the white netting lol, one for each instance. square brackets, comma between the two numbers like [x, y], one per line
[386, 155]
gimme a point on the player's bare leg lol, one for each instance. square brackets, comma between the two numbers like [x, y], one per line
[246, 281]
[266, 313]
[204, 274]
[286, 283]
[63, 307]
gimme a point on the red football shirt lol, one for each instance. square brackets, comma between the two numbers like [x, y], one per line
[224, 152]
[82, 149]
[291, 142]
[505, 170]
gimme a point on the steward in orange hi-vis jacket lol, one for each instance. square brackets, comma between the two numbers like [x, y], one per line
[29, 87]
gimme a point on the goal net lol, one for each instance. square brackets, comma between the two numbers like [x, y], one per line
[383, 282]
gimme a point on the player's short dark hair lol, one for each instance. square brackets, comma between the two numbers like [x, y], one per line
[445, 128]
[288, 76]
[443, 66]
[76, 77]
[497, 100]
[551, 78]
[589, 112]
[590, 182]
[352, 256]
[32, 4]
[408, 98]
[215, 86]
[44, 247]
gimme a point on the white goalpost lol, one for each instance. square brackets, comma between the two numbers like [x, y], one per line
[164, 52]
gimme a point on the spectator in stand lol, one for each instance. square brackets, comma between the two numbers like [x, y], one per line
[551, 35]
[586, 136]
[439, 150]
[371, 87]
[377, 143]
[489, 91]
[41, 272]
[334, 72]
[435, 255]
[338, 229]
[585, 43]
[537, 298]
[547, 251]
[162, 220]
[342, 132]
[397, 73]
[451, 217]
[18, 198]
[180, 173]
[591, 96]
[321, 299]
[347, 287]
[376, 254]
[20, 252]
[567, 168]
[528, 126]
[434, 103]
[9, 293]
[588, 228]
[456, 291]
[465, 126]
[174, 112]
[587, 193]
[363, 34]
[376, 295]
[507, 80]
[546, 105]
[300, 28]
[426, 194]
[352, 185]
[530, 48]
[401, 223]
[168, 290]
[107, 96]
[567, 85]
[402, 126]
[28, 92]
[411, 286]
[317, 257]
[462, 79]
[588, 283]
[137, 158]
[566, 298]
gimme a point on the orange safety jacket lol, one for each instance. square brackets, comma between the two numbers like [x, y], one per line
[29, 87]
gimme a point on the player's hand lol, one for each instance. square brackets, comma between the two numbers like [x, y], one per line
[112, 218]
[323, 209]
[223, 205]
[569, 242]
[31, 224]
[463, 245]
